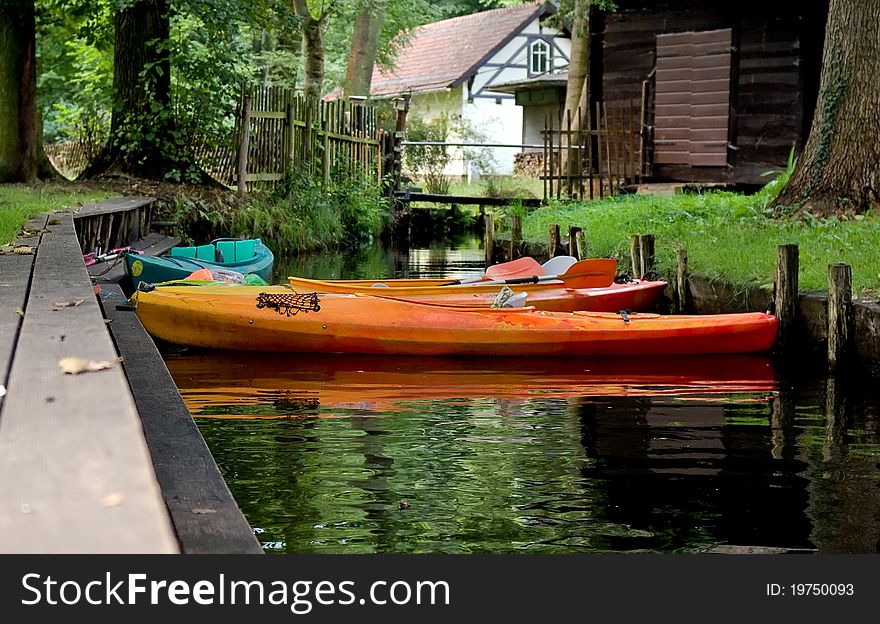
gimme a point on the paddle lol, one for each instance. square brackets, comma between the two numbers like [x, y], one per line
[521, 267]
[590, 273]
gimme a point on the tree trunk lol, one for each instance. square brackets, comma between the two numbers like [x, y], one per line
[312, 49]
[19, 132]
[839, 169]
[364, 45]
[577, 96]
[142, 124]
[579, 65]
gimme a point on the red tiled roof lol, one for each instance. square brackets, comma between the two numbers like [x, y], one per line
[445, 53]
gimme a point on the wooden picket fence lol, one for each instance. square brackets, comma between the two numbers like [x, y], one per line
[71, 158]
[285, 131]
[596, 154]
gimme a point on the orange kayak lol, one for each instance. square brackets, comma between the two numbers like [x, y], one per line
[552, 295]
[256, 318]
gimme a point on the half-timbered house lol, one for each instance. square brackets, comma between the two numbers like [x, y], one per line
[449, 67]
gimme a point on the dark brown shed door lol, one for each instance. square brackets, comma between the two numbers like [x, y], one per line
[692, 98]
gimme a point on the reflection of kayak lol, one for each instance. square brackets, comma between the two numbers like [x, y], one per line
[553, 295]
[278, 385]
[254, 318]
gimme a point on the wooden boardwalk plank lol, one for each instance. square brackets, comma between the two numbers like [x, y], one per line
[205, 515]
[109, 206]
[77, 475]
[15, 279]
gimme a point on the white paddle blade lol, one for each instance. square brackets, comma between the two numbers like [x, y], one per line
[558, 265]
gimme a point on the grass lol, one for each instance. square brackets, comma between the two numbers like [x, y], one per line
[727, 236]
[19, 201]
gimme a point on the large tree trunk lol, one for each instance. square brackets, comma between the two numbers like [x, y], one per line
[839, 169]
[142, 124]
[364, 45]
[312, 49]
[19, 131]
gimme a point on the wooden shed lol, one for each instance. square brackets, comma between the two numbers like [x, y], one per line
[728, 88]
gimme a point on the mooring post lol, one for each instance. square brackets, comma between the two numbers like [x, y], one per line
[786, 299]
[554, 239]
[515, 236]
[646, 252]
[683, 288]
[489, 240]
[635, 256]
[580, 245]
[839, 313]
[244, 145]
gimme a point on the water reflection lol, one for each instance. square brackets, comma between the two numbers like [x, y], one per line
[682, 454]
[360, 454]
[457, 258]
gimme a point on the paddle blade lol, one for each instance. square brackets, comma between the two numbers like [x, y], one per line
[590, 273]
[558, 264]
[521, 267]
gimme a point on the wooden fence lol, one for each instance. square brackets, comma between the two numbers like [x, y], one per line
[286, 131]
[594, 154]
[71, 158]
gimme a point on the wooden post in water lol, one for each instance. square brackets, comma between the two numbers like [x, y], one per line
[554, 239]
[489, 240]
[515, 236]
[839, 315]
[646, 252]
[635, 255]
[786, 298]
[683, 287]
[573, 248]
[243, 145]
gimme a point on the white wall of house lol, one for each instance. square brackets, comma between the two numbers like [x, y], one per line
[495, 115]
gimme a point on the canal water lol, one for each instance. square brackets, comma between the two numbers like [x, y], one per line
[365, 454]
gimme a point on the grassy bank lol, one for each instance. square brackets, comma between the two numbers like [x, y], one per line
[19, 201]
[727, 236]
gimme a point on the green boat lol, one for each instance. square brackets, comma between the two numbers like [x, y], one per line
[243, 256]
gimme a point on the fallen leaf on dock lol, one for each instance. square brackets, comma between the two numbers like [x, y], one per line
[2, 391]
[112, 500]
[67, 304]
[23, 250]
[54, 222]
[77, 365]
[19, 311]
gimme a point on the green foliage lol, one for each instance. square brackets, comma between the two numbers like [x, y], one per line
[299, 215]
[429, 162]
[728, 236]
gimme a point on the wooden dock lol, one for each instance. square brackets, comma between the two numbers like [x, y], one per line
[107, 461]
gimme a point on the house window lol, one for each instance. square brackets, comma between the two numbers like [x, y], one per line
[539, 57]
